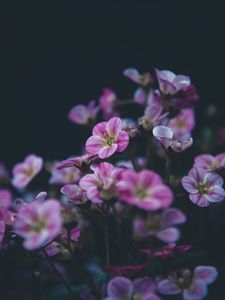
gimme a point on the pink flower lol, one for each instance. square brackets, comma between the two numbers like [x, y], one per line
[4, 174]
[160, 225]
[145, 190]
[168, 139]
[107, 138]
[209, 162]
[185, 98]
[38, 223]
[203, 187]
[77, 161]
[142, 79]
[192, 286]
[100, 185]
[24, 172]
[153, 116]
[121, 288]
[64, 176]
[75, 193]
[183, 123]
[5, 198]
[84, 115]
[107, 103]
[170, 83]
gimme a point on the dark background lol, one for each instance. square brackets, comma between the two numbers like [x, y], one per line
[58, 54]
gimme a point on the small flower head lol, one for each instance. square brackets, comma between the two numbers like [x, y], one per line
[5, 198]
[64, 176]
[203, 187]
[153, 116]
[183, 123]
[24, 172]
[100, 185]
[38, 222]
[160, 225]
[84, 115]
[170, 83]
[75, 193]
[107, 138]
[107, 103]
[79, 162]
[209, 162]
[142, 79]
[144, 189]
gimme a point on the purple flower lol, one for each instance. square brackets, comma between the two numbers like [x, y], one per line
[84, 115]
[192, 286]
[121, 288]
[64, 176]
[144, 189]
[183, 123]
[75, 193]
[185, 98]
[168, 139]
[209, 162]
[153, 116]
[100, 185]
[107, 138]
[24, 172]
[77, 161]
[170, 83]
[160, 225]
[107, 103]
[142, 79]
[203, 187]
[38, 223]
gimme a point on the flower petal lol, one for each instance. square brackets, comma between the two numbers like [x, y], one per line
[120, 288]
[114, 126]
[168, 235]
[206, 273]
[172, 216]
[94, 144]
[168, 287]
[122, 141]
[197, 291]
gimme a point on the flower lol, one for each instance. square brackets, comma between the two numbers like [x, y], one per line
[203, 187]
[77, 161]
[209, 162]
[84, 115]
[153, 116]
[183, 123]
[24, 172]
[145, 190]
[192, 286]
[170, 83]
[100, 185]
[120, 288]
[107, 102]
[38, 223]
[133, 74]
[64, 176]
[185, 98]
[107, 138]
[160, 225]
[167, 137]
[5, 198]
[75, 193]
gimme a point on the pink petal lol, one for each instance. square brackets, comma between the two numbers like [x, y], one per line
[199, 200]
[114, 126]
[140, 96]
[149, 178]
[94, 144]
[215, 194]
[144, 285]
[169, 235]
[122, 141]
[189, 184]
[120, 288]
[107, 151]
[79, 114]
[213, 179]
[99, 129]
[172, 216]
[206, 273]
[88, 181]
[197, 291]
[168, 287]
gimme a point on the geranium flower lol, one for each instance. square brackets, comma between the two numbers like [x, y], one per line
[170, 83]
[192, 286]
[203, 187]
[160, 225]
[209, 162]
[107, 138]
[100, 185]
[84, 115]
[38, 223]
[133, 74]
[183, 123]
[64, 176]
[168, 139]
[120, 288]
[145, 190]
[107, 103]
[24, 172]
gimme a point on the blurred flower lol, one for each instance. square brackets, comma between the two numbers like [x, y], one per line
[167, 137]
[24, 172]
[203, 187]
[185, 98]
[209, 162]
[4, 174]
[100, 185]
[170, 83]
[142, 79]
[84, 115]
[38, 223]
[183, 123]
[192, 286]
[107, 138]
[5, 198]
[77, 161]
[144, 189]
[107, 103]
[75, 193]
[153, 116]
[120, 288]
[130, 126]
[160, 225]
[52, 249]
[64, 176]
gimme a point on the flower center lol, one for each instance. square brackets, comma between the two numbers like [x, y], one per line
[202, 188]
[38, 226]
[135, 297]
[140, 193]
[180, 124]
[110, 140]
[153, 222]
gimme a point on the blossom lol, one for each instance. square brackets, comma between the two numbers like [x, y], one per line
[170, 83]
[203, 187]
[64, 176]
[84, 115]
[75, 193]
[160, 225]
[124, 270]
[78, 161]
[209, 162]
[107, 138]
[38, 223]
[5, 198]
[153, 116]
[100, 185]
[24, 172]
[167, 137]
[143, 189]
[185, 98]
[120, 288]
[183, 123]
[107, 102]
[192, 286]
[133, 74]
